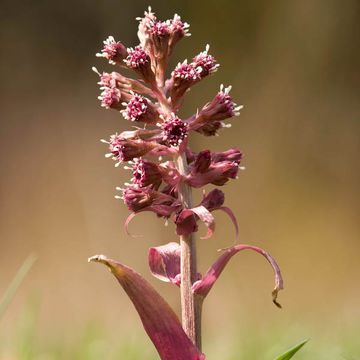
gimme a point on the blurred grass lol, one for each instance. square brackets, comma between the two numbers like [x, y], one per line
[95, 343]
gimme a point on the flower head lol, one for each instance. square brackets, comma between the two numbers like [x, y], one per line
[139, 60]
[160, 28]
[209, 119]
[206, 62]
[174, 131]
[140, 109]
[114, 51]
[110, 98]
[214, 168]
[123, 149]
[146, 173]
[146, 199]
[136, 57]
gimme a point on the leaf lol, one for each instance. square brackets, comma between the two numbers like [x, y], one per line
[159, 320]
[164, 262]
[15, 284]
[203, 286]
[291, 352]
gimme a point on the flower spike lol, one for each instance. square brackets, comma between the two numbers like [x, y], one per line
[164, 170]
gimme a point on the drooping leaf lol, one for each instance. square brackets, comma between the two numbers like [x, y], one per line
[291, 352]
[203, 286]
[164, 262]
[159, 320]
[15, 284]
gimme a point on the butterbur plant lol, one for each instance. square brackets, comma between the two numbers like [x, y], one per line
[164, 172]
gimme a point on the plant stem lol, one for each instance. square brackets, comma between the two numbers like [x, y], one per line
[191, 305]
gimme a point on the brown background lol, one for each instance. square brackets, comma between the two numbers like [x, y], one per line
[295, 67]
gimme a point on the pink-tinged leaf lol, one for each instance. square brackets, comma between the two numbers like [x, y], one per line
[203, 286]
[164, 262]
[205, 215]
[232, 217]
[159, 320]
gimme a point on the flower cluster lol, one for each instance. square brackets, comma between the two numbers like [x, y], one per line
[157, 152]
[154, 102]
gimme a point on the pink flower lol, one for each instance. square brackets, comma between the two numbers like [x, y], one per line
[220, 108]
[122, 149]
[214, 168]
[114, 51]
[140, 109]
[137, 57]
[123, 83]
[183, 77]
[146, 199]
[110, 98]
[174, 131]
[178, 30]
[139, 61]
[145, 24]
[146, 173]
[206, 62]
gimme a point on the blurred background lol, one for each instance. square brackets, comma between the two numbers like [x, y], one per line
[294, 65]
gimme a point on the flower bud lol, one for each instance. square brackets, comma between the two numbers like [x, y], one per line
[214, 169]
[213, 200]
[202, 162]
[147, 199]
[186, 222]
[234, 155]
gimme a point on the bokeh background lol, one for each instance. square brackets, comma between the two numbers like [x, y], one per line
[295, 67]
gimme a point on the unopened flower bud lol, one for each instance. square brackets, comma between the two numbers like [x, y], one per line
[213, 200]
[234, 155]
[202, 161]
[114, 51]
[214, 169]
[147, 199]
[186, 222]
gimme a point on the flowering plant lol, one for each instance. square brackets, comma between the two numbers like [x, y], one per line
[164, 171]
